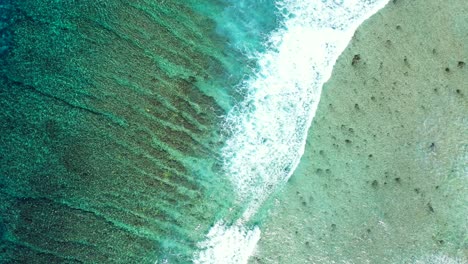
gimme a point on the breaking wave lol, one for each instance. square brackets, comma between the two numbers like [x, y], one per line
[268, 129]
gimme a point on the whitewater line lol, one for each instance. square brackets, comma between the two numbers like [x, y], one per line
[269, 128]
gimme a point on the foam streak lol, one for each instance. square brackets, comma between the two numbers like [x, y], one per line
[269, 128]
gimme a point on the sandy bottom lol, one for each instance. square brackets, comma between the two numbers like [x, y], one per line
[384, 178]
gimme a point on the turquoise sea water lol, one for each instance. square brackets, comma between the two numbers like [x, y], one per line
[122, 124]
[110, 125]
[269, 127]
[151, 131]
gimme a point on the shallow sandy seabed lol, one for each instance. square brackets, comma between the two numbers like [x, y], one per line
[384, 176]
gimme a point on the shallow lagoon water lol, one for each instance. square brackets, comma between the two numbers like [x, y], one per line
[384, 178]
[120, 125]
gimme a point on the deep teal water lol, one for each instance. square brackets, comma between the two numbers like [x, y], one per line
[5, 38]
[110, 133]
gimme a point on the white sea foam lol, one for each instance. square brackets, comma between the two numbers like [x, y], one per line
[439, 259]
[228, 244]
[269, 127]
